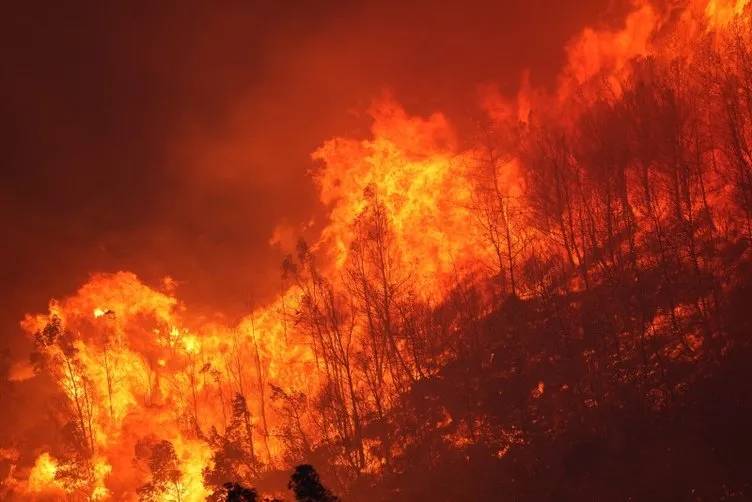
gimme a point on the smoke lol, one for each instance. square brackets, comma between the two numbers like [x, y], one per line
[174, 141]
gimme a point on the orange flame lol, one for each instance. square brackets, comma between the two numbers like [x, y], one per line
[138, 363]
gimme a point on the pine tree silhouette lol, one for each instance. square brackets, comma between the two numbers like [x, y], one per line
[239, 493]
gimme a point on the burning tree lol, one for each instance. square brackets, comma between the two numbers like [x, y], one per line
[164, 470]
[614, 218]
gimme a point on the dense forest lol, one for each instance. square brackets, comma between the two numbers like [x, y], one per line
[552, 306]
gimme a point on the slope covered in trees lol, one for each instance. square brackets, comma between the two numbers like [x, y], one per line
[553, 306]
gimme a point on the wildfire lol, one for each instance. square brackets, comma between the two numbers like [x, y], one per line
[722, 12]
[140, 374]
[412, 166]
[42, 475]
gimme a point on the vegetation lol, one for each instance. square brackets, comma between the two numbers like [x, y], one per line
[597, 346]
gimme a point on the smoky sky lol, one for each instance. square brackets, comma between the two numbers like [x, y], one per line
[172, 138]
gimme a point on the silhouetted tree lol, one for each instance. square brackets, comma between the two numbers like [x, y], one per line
[327, 316]
[307, 487]
[56, 352]
[232, 457]
[163, 466]
[292, 406]
[235, 492]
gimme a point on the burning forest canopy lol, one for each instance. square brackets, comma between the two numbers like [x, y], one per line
[530, 281]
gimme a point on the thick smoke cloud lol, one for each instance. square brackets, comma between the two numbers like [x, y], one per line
[175, 139]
